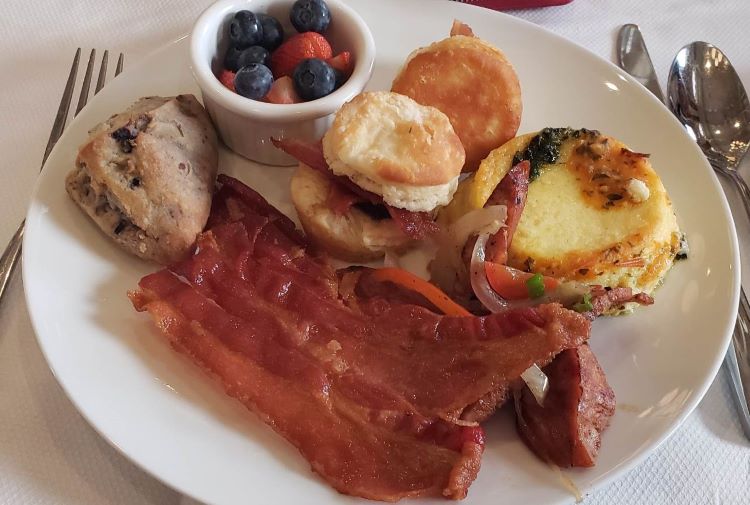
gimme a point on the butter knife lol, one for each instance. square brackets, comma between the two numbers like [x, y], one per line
[633, 58]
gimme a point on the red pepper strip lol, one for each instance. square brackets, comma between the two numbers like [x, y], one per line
[431, 292]
[510, 283]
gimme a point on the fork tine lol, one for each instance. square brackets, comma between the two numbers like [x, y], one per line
[102, 73]
[120, 62]
[62, 111]
[86, 85]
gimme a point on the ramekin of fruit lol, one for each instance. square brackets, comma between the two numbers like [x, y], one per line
[278, 68]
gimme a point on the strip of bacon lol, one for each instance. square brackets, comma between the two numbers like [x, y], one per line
[368, 389]
[511, 192]
[461, 28]
[603, 299]
[415, 225]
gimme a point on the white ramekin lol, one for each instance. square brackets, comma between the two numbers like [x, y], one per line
[246, 126]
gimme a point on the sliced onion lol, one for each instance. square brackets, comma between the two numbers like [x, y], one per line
[567, 293]
[477, 222]
[538, 383]
[479, 283]
[391, 260]
[567, 482]
[448, 269]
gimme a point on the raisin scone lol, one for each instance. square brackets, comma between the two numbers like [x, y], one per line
[146, 176]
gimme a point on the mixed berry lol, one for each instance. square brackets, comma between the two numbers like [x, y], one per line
[261, 65]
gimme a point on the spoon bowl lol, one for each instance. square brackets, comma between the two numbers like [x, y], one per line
[706, 94]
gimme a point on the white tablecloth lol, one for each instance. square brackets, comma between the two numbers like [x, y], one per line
[50, 455]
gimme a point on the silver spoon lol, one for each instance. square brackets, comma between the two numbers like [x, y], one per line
[707, 96]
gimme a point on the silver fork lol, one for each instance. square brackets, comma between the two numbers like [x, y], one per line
[12, 252]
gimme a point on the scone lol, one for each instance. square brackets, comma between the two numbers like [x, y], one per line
[389, 162]
[473, 83]
[146, 176]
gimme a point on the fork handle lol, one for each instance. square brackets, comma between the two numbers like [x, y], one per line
[737, 362]
[9, 259]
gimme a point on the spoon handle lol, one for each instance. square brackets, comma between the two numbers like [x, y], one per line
[737, 362]
[744, 190]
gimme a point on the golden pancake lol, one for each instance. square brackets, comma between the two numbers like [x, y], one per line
[599, 213]
[473, 83]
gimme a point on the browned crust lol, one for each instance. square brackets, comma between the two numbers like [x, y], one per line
[428, 152]
[473, 84]
[161, 182]
[464, 472]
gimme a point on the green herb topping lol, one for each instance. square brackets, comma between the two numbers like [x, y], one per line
[584, 305]
[544, 148]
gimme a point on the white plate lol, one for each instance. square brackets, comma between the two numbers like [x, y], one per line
[160, 411]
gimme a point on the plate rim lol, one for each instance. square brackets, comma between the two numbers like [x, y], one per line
[617, 471]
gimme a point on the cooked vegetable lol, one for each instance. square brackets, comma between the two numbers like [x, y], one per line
[537, 381]
[513, 282]
[448, 269]
[429, 291]
[585, 304]
[544, 148]
[479, 284]
[510, 283]
[535, 285]
[533, 376]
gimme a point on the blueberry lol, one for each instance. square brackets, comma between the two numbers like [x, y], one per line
[340, 78]
[310, 16]
[314, 78]
[253, 54]
[245, 30]
[232, 59]
[273, 32]
[253, 81]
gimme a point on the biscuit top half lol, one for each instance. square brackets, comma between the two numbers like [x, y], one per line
[392, 146]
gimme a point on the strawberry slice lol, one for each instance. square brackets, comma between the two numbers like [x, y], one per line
[342, 62]
[226, 77]
[282, 91]
[299, 47]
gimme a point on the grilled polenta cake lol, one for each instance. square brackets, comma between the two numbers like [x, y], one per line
[596, 211]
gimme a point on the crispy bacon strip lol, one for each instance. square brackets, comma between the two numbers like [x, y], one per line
[604, 299]
[511, 192]
[369, 389]
[461, 28]
[416, 225]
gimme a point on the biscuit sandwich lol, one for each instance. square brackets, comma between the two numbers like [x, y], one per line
[473, 83]
[387, 164]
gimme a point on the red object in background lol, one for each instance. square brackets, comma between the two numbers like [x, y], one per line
[505, 5]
